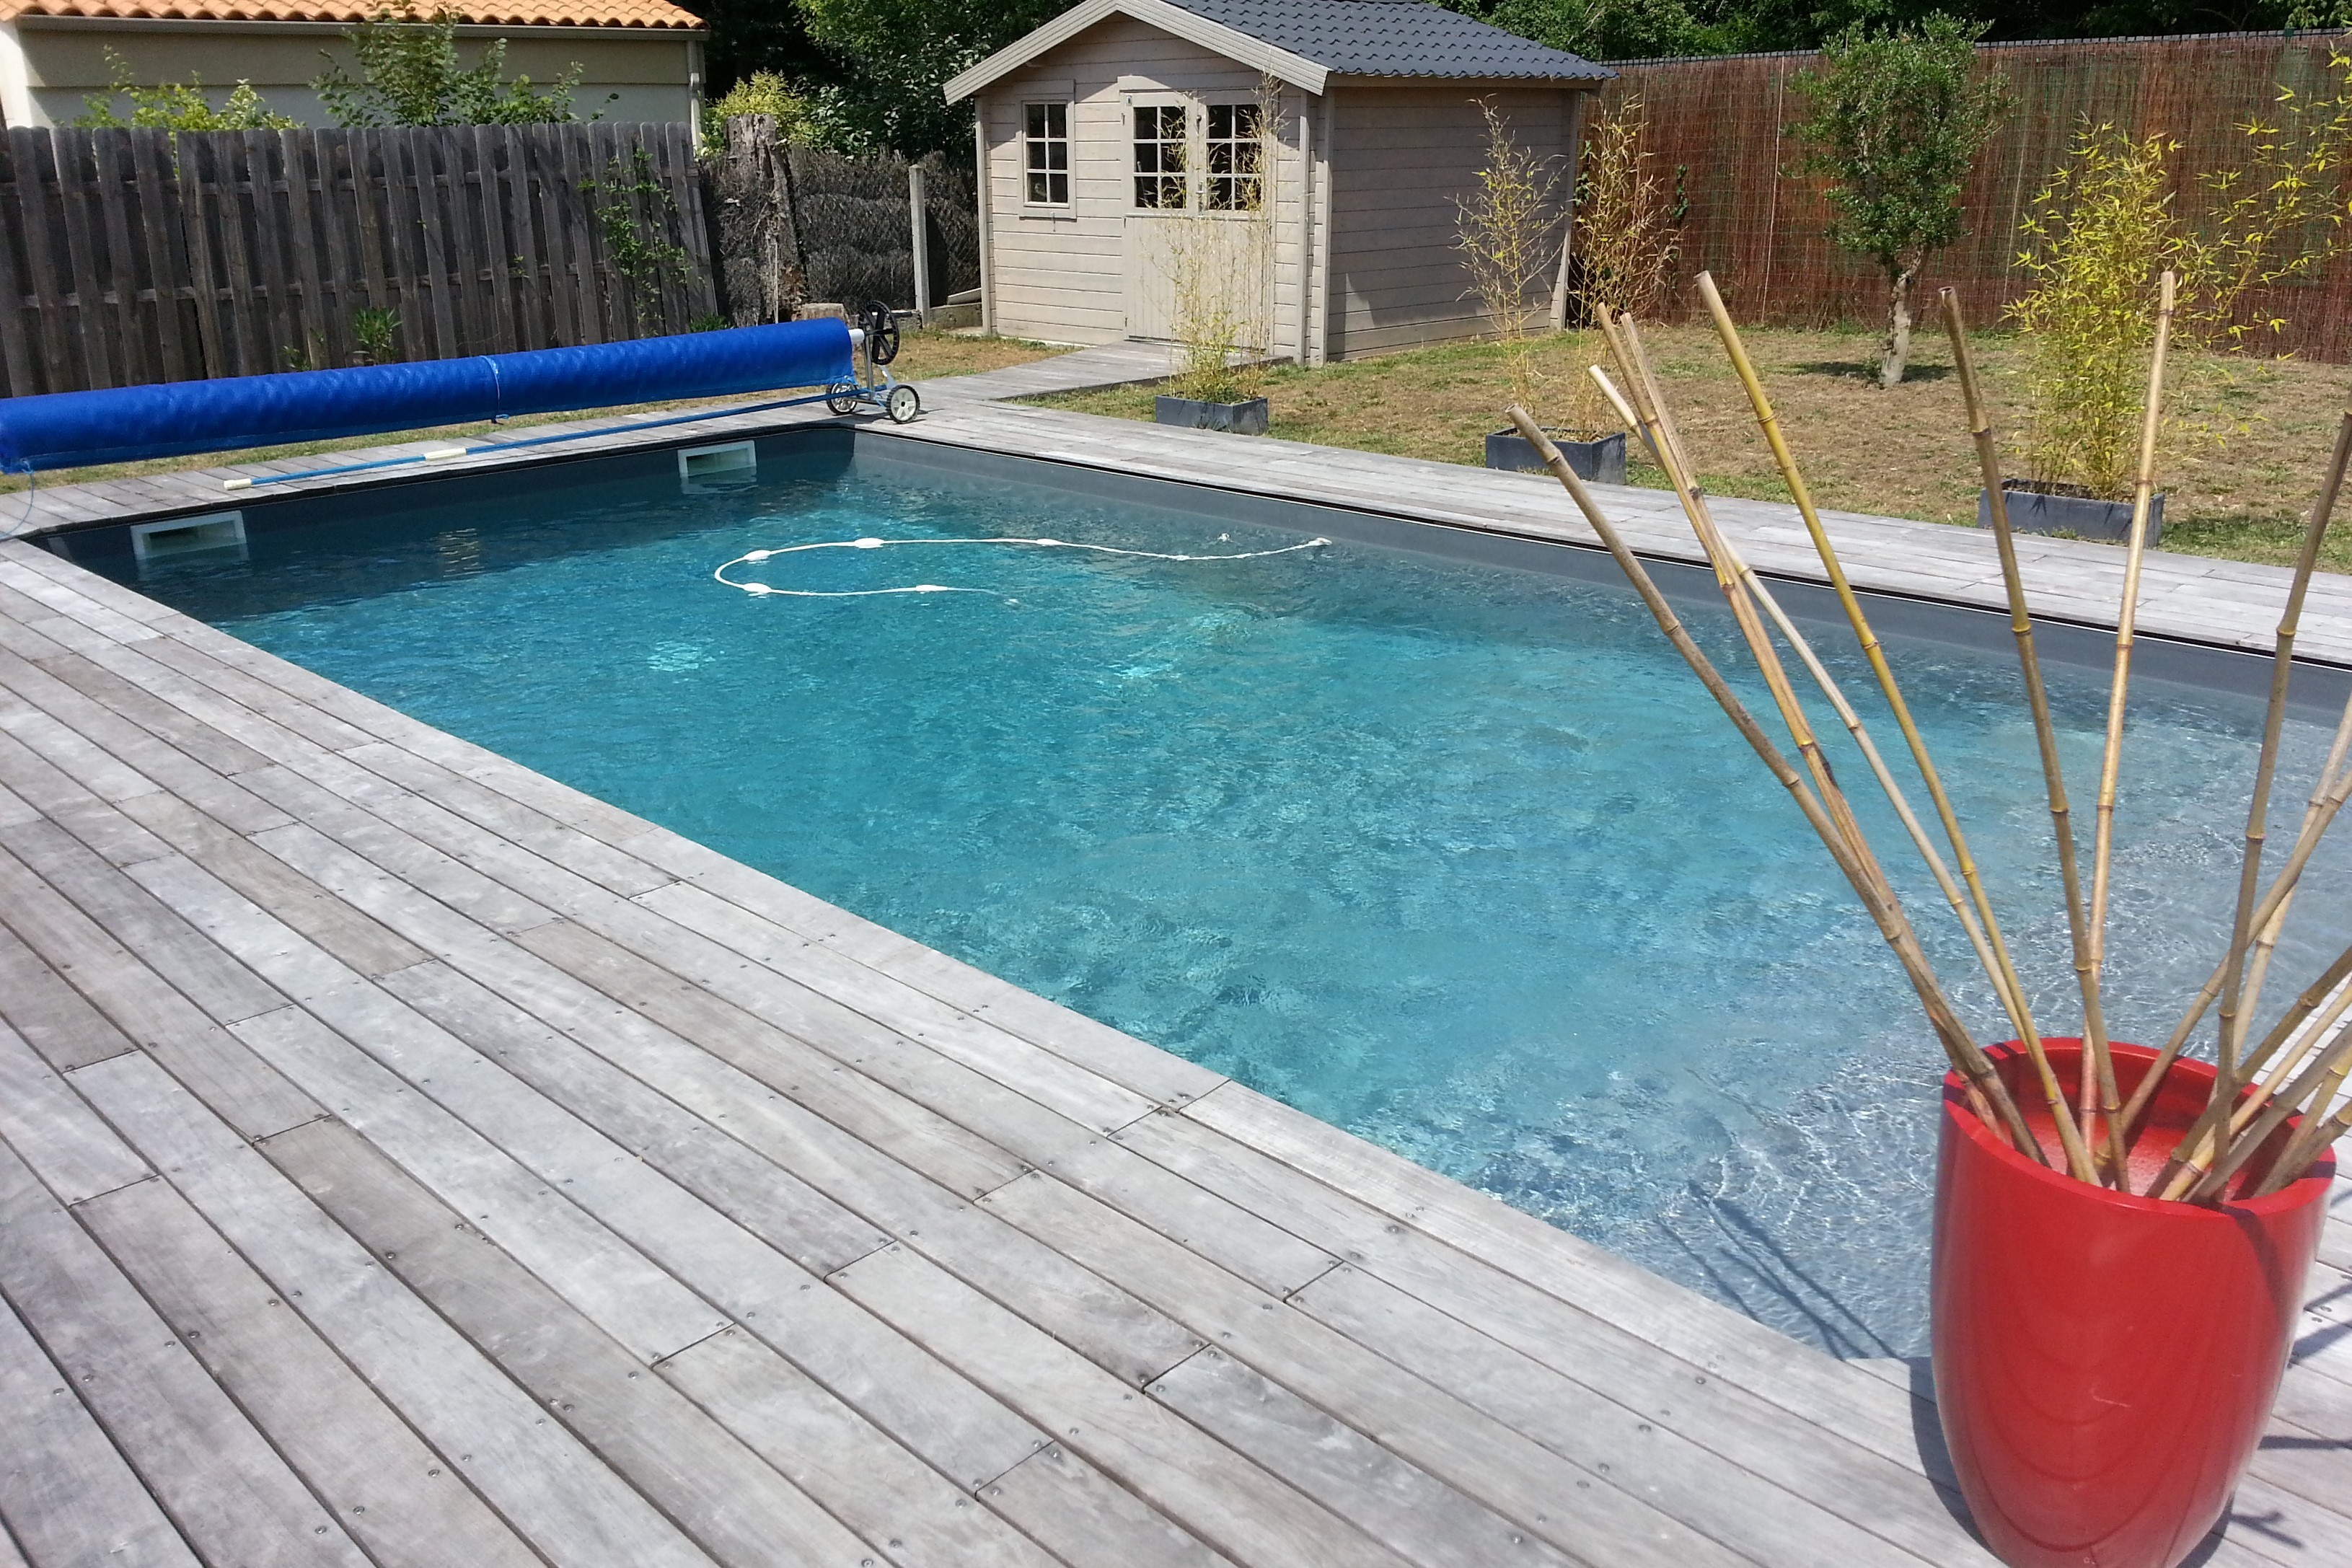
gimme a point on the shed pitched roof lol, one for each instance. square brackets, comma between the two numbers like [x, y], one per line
[1304, 41]
[1395, 38]
[645, 14]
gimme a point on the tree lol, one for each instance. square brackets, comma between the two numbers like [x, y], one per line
[1898, 117]
[177, 105]
[898, 53]
[410, 75]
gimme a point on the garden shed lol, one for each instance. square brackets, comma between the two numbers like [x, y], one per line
[1121, 142]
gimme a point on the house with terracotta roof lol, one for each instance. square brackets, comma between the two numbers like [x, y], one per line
[1313, 149]
[640, 59]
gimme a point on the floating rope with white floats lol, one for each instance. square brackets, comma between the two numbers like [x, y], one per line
[753, 558]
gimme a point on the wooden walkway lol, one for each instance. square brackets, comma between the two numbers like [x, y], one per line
[407, 1160]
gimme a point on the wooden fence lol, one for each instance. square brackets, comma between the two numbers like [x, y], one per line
[129, 256]
[1718, 131]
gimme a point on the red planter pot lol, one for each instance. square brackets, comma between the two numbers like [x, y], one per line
[2105, 1363]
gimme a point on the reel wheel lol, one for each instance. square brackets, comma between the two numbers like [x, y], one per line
[903, 404]
[881, 333]
[843, 398]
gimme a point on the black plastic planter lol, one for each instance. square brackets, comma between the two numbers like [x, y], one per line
[1241, 418]
[2033, 511]
[1603, 461]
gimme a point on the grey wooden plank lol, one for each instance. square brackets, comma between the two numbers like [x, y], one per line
[1083, 1096]
[875, 1115]
[230, 1494]
[1427, 1521]
[67, 1495]
[49, 1015]
[1129, 1062]
[713, 1162]
[137, 716]
[540, 1478]
[35, 780]
[793, 1181]
[722, 1494]
[116, 838]
[168, 942]
[1531, 1270]
[827, 1449]
[1203, 1486]
[1085, 1516]
[397, 1496]
[365, 944]
[212, 1063]
[529, 1218]
[378, 868]
[63, 1141]
[319, 728]
[79, 758]
[1597, 1477]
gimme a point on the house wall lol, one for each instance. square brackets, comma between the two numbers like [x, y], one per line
[630, 74]
[1063, 276]
[1400, 154]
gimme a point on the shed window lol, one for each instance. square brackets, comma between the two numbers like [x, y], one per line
[1159, 156]
[1236, 157]
[1045, 153]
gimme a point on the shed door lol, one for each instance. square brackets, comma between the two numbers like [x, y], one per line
[1197, 235]
[1159, 189]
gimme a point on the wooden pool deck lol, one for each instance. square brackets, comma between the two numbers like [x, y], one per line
[407, 1160]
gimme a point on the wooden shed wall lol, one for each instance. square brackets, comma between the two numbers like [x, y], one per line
[1061, 276]
[1400, 155]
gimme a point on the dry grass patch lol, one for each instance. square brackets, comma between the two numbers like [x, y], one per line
[1898, 453]
[922, 356]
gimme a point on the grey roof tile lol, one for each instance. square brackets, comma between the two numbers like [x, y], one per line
[1395, 38]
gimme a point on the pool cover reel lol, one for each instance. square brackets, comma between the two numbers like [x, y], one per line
[124, 424]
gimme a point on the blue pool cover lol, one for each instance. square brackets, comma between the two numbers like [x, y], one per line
[70, 429]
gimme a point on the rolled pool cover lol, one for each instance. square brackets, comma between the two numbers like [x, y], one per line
[124, 424]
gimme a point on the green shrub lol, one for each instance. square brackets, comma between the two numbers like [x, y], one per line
[409, 75]
[177, 106]
[761, 92]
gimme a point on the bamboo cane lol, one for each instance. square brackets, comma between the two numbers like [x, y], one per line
[2282, 1106]
[2045, 731]
[1985, 1088]
[2235, 1005]
[2316, 1134]
[1983, 926]
[1654, 421]
[2222, 1120]
[2281, 889]
[2111, 759]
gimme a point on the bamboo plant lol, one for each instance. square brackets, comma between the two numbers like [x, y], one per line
[2270, 1113]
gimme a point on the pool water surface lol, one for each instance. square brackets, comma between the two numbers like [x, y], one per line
[1456, 857]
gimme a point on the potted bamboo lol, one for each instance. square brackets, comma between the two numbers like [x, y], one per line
[1219, 267]
[2121, 1233]
[1619, 247]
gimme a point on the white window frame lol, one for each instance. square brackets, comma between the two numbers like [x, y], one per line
[1046, 141]
[1158, 102]
[1210, 176]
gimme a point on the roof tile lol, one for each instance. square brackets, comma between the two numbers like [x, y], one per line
[654, 13]
[1395, 38]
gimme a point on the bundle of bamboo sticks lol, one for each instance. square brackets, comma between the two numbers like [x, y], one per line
[2297, 1069]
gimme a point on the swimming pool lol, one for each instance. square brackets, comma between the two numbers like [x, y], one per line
[1453, 854]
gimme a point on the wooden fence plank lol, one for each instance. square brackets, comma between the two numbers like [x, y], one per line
[468, 260]
[432, 227]
[567, 305]
[335, 214]
[363, 153]
[402, 243]
[581, 253]
[703, 274]
[300, 157]
[70, 155]
[228, 187]
[114, 190]
[16, 341]
[526, 313]
[272, 225]
[190, 158]
[159, 225]
[485, 149]
[42, 263]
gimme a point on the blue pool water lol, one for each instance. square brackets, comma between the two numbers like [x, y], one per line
[1456, 857]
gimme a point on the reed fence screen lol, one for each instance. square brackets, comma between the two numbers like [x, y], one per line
[1719, 128]
[135, 255]
[798, 223]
